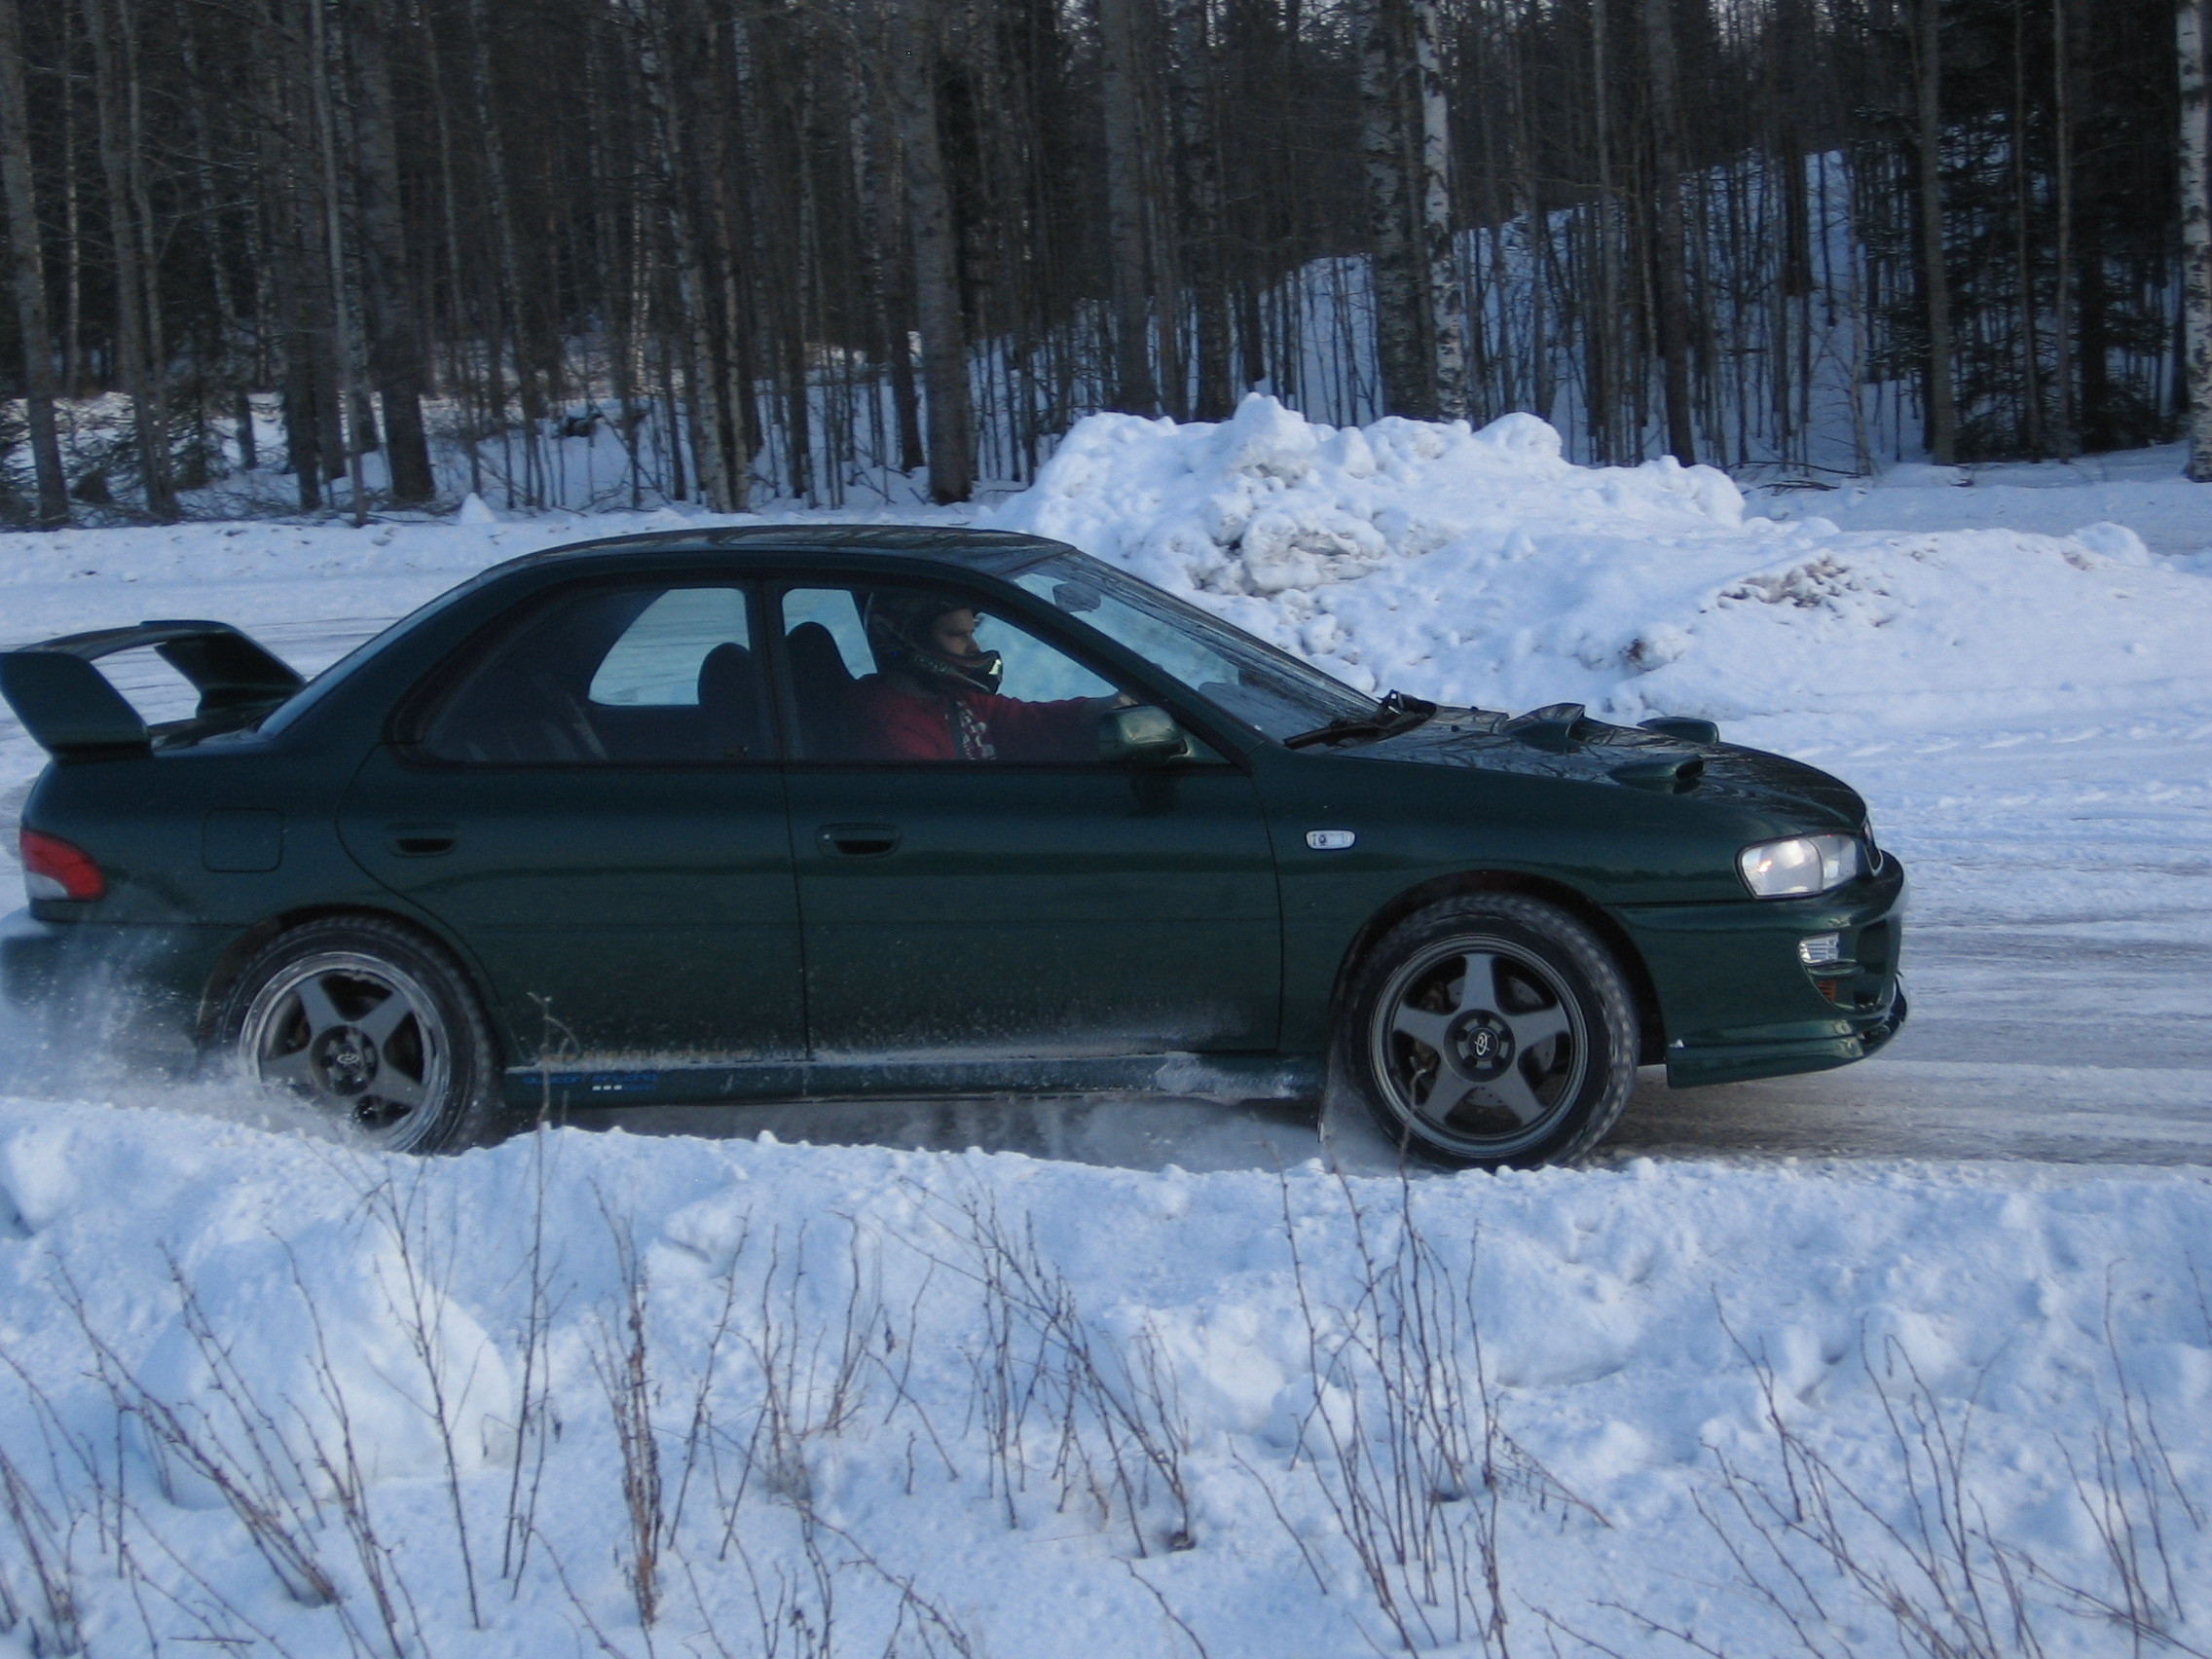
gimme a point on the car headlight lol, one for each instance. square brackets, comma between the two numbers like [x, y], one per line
[1799, 866]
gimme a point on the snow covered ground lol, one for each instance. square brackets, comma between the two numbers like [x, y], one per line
[1842, 1365]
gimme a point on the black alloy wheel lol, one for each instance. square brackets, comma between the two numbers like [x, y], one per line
[373, 1025]
[1492, 1030]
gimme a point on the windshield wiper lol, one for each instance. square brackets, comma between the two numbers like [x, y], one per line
[1398, 713]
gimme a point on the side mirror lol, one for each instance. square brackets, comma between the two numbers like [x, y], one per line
[1141, 736]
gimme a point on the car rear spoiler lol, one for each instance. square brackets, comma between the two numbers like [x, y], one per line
[69, 707]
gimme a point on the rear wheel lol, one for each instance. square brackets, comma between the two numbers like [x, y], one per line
[373, 1025]
[1492, 1030]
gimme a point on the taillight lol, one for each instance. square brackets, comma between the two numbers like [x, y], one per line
[54, 870]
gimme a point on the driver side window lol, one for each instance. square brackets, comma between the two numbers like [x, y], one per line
[911, 675]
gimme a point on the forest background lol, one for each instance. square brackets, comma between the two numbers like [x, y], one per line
[800, 249]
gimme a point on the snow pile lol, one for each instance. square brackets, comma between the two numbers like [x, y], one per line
[1481, 566]
[556, 1387]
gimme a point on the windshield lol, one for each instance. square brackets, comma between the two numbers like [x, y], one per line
[1264, 688]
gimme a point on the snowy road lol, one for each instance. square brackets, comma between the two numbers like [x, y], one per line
[1893, 1108]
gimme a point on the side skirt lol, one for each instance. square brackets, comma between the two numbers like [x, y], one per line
[623, 1081]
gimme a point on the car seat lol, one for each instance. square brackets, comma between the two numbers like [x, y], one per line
[822, 688]
[729, 703]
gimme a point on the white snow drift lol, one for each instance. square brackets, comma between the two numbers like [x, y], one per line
[277, 1396]
[1480, 566]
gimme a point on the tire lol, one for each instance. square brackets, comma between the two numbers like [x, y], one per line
[1491, 1031]
[373, 1024]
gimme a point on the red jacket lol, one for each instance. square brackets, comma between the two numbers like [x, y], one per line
[895, 724]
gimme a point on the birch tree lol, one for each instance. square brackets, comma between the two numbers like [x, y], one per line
[1404, 328]
[2196, 235]
[1446, 305]
[1671, 277]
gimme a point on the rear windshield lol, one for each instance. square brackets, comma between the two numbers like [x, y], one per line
[368, 651]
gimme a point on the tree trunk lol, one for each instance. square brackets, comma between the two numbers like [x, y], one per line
[149, 415]
[303, 449]
[1135, 391]
[1935, 279]
[1446, 304]
[160, 493]
[473, 401]
[738, 374]
[511, 313]
[1605, 326]
[1404, 330]
[2062, 173]
[680, 67]
[395, 347]
[2023, 246]
[28, 263]
[1201, 150]
[885, 229]
[72, 238]
[342, 337]
[1671, 277]
[938, 316]
[2196, 237]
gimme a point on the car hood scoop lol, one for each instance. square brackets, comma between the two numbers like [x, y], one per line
[1666, 755]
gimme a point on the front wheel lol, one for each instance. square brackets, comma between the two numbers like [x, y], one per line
[1492, 1030]
[373, 1025]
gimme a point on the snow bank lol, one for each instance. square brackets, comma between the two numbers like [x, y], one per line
[980, 1394]
[2146, 490]
[1481, 566]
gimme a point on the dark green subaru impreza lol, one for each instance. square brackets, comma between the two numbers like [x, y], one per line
[776, 813]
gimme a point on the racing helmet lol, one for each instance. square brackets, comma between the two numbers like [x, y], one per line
[901, 624]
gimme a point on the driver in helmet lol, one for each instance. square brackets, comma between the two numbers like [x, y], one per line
[934, 694]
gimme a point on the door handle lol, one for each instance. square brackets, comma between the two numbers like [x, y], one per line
[856, 840]
[420, 840]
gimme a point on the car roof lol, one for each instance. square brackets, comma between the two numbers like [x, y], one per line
[994, 552]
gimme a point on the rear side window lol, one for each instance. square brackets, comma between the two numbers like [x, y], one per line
[625, 676]
[658, 660]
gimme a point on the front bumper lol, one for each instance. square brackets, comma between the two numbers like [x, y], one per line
[1738, 1001]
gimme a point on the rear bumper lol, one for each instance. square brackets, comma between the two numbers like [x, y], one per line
[1738, 999]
